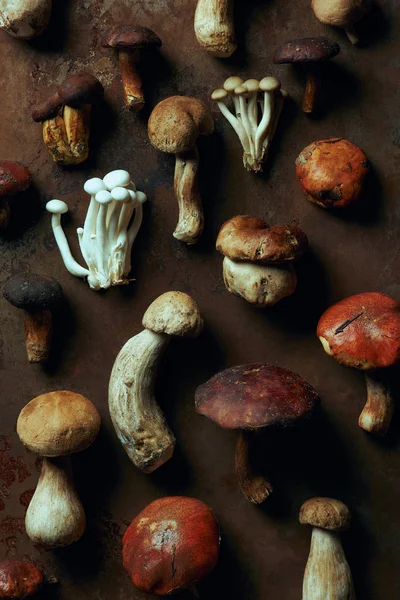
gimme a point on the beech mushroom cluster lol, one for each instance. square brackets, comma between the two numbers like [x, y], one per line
[112, 223]
[24, 19]
[342, 13]
[214, 27]
[257, 107]
[14, 179]
[19, 580]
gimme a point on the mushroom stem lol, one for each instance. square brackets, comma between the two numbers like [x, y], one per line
[214, 27]
[38, 332]
[4, 213]
[378, 410]
[311, 92]
[72, 266]
[129, 61]
[253, 485]
[352, 34]
[191, 221]
[77, 128]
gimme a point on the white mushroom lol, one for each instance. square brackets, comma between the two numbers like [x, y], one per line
[214, 27]
[24, 19]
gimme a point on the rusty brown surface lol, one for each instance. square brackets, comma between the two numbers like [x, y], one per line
[264, 550]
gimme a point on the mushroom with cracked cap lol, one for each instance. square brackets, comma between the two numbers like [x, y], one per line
[251, 398]
[363, 332]
[327, 575]
[137, 418]
[19, 580]
[342, 13]
[24, 19]
[214, 27]
[14, 179]
[55, 425]
[174, 126]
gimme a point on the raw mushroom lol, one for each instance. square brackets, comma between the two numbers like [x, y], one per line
[327, 575]
[112, 223]
[311, 53]
[250, 398]
[173, 531]
[342, 13]
[19, 580]
[37, 296]
[363, 332]
[55, 425]
[66, 118]
[332, 172]
[258, 259]
[14, 179]
[131, 41]
[24, 19]
[137, 418]
[214, 27]
[174, 126]
[255, 127]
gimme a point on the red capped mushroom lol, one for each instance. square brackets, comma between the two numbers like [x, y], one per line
[19, 579]
[14, 179]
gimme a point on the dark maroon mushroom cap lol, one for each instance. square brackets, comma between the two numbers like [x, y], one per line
[32, 292]
[14, 178]
[47, 109]
[81, 88]
[124, 37]
[255, 396]
[311, 49]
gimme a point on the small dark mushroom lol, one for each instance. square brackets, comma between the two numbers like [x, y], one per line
[14, 179]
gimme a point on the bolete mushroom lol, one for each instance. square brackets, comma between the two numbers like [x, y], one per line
[19, 580]
[37, 296]
[342, 13]
[174, 126]
[311, 53]
[24, 19]
[258, 259]
[171, 545]
[55, 425]
[331, 173]
[327, 575]
[14, 179]
[250, 398]
[214, 27]
[255, 128]
[138, 420]
[66, 118]
[363, 332]
[131, 41]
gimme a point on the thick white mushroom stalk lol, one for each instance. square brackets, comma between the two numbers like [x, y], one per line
[257, 106]
[112, 223]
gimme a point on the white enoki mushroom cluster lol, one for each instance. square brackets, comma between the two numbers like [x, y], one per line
[112, 223]
[257, 106]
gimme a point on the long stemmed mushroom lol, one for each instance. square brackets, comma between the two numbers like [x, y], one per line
[214, 27]
[14, 179]
[24, 19]
[342, 13]
[255, 128]
[174, 126]
[137, 418]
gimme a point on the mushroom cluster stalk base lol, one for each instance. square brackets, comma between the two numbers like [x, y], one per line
[191, 221]
[38, 333]
[129, 61]
[253, 485]
[214, 27]
[378, 410]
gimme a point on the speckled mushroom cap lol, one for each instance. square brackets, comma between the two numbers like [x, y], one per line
[362, 331]
[14, 178]
[58, 424]
[32, 292]
[312, 49]
[326, 513]
[174, 313]
[171, 545]
[251, 239]
[130, 37]
[177, 122]
[255, 396]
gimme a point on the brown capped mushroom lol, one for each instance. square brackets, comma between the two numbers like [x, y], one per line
[131, 41]
[19, 580]
[14, 179]
[24, 19]
[214, 27]
[342, 13]
[250, 398]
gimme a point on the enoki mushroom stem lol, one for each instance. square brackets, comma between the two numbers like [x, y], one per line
[253, 485]
[378, 410]
[191, 221]
[129, 63]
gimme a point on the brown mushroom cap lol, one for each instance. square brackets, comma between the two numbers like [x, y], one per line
[255, 396]
[32, 292]
[326, 513]
[362, 331]
[174, 313]
[340, 13]
[81, 88]
[312, 49]
[48, 109]
[19, 579]
[250, 239]
[14, 178]
[125, 37]
[58, 424]
[176, 123]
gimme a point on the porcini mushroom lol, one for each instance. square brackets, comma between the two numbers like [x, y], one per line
[37, 296]
[363, 332]
[112, 223]
[137, 418]
[24, 19]
[214, 27]
[342, 13]
[258, 259]
[174, 126]
[311, 53]
[55, 425]
[131, 41]
[250, 398]
[327, 575]
[255, 128]
[19, 580]
[171, 545]
[66, 118]
[331, 173]
[14, 179]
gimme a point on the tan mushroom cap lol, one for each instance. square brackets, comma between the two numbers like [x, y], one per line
[174, 313]
[58, 424]
[326, 513]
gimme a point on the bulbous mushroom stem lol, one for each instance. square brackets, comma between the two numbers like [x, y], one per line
[378, 410]
[191, 221]
[38, 334]
[253, 485]
[214, 27]
[313, 84]
[129, 61]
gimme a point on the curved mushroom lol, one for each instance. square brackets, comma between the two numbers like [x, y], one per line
[214, 27]
[55, 425]
[14, 179]
[19, 580]
[342, 13]
[174, 126]
[24, 19]
[363, 332]
[137, 418]
[250, 398]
